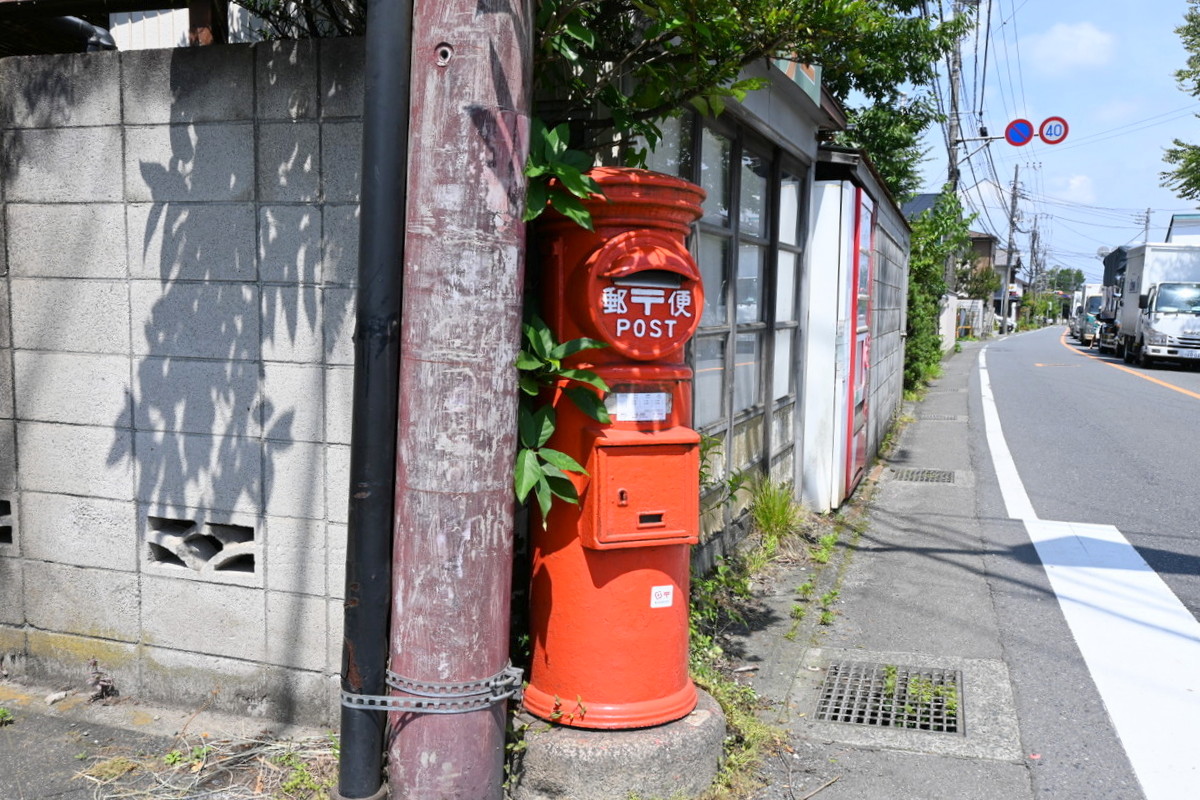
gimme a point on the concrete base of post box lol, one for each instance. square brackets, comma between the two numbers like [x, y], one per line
[678, 760]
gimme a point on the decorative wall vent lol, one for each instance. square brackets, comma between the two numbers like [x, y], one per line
[6, 522]
[203, 547]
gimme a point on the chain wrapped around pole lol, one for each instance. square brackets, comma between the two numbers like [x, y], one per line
[431, 697]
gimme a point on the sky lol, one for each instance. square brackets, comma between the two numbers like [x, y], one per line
[1106, 67]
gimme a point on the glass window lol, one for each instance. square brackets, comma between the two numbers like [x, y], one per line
[714, 176]
[746, 362]
[709, 382]
[784, 376]
[789, 210]
[749, 283]
[752, 210]
[785, 287]
[712, 259]
[673, 154]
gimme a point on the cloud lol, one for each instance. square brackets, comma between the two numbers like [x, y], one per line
[1075, 189]
[1067, 48]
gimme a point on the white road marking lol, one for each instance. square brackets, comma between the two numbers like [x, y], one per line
[1141, 645]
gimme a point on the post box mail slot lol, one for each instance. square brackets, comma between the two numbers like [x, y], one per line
[644, 490]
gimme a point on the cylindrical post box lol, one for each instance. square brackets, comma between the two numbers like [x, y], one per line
[609, 592]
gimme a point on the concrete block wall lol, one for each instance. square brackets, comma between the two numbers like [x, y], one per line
[178, 252]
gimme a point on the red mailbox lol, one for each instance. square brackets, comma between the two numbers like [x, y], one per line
[609, 595]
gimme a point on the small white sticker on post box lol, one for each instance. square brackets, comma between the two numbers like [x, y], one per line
[662, 596]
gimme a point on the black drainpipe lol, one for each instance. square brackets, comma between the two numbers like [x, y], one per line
[376, 374]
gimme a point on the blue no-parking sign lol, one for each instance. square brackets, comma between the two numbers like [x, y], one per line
[1019, 132]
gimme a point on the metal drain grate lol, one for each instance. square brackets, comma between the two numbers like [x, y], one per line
[943, 417]
[924, 475]
[890, 696]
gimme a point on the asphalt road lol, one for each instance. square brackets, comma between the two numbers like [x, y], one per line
[1096, 442]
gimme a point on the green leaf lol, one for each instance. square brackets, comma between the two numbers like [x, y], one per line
[575, 181]
[527, 474]
[533, 336]
[539, 336]
[574, 346]
[587, 402]
[556, 140]
[577, 30]
[528, 361]
[581, 161]
[585, 376]
[561, 460]
[527, 429]
[563, 489]
[565, 50]
[544, 495]
[569, 206]
[536, 194]
[543, 425]
[529, 385]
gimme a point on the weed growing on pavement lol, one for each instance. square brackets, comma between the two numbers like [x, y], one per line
[798, 613]
[110, 770]
[6, 717]
[889, 680]
[923, 691]
[747, 738]
[775, 513]
[824, 551]
[826, 617]
[267, 768]
[197, 755]
[806, 589]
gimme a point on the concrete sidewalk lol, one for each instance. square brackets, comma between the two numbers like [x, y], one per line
[913, 600]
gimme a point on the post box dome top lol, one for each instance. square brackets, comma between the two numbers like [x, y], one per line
[637, 197]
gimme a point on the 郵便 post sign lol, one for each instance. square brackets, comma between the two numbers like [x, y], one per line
[644, 295]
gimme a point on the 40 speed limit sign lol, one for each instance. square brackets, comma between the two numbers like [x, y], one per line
[1053, 130]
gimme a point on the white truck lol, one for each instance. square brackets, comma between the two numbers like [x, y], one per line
[1087, 305]
[1159, 314]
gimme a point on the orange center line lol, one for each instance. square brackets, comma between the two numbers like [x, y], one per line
[1063, 341]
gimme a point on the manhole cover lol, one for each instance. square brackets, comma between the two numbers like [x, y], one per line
[924, 475]
[891, 696]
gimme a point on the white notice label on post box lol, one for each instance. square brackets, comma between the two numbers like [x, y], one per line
[662, 596]
[639, 406]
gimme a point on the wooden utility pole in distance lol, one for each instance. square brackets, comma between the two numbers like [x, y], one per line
[1012, 243]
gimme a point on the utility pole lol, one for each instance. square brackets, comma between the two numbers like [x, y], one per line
[955, 122]
[1008, 266]
[456, 438]
[1146, 236]
[955, 66]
